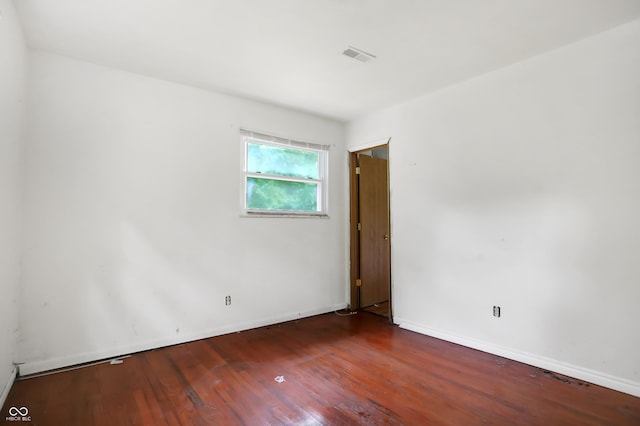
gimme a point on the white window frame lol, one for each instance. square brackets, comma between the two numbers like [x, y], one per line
[322, 182]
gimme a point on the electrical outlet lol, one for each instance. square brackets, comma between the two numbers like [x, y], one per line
[496, 311]
[227, 300]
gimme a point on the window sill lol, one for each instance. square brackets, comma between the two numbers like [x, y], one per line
[281, 214]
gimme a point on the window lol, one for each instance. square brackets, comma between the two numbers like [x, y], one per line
[284, 177]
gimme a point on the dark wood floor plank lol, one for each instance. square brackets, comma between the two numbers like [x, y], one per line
[337, 370]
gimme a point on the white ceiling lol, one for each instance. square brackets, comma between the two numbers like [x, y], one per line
[289, 52]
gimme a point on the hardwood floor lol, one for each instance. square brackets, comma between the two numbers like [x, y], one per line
[337, 370]
[381, 309]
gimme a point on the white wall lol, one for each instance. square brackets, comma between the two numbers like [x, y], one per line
[521, 188]
[133, 227]
[13, 62]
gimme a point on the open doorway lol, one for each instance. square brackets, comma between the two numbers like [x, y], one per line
[370, 252]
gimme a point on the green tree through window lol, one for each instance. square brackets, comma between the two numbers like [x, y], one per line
[272, 194]
[282, 161]
[283, 177]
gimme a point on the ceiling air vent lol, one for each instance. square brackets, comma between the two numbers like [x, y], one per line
[358, 54]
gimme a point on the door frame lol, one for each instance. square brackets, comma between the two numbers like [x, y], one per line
[354, 214]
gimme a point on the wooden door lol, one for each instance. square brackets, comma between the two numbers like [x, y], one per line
[375, 262]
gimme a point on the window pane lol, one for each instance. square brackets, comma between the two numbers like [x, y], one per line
[272, 194]
[282, 161]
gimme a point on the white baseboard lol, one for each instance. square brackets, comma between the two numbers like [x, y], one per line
[592, 376]
[8, 385]
[39, 366]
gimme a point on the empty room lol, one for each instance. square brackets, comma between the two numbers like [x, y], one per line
[320, 212]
